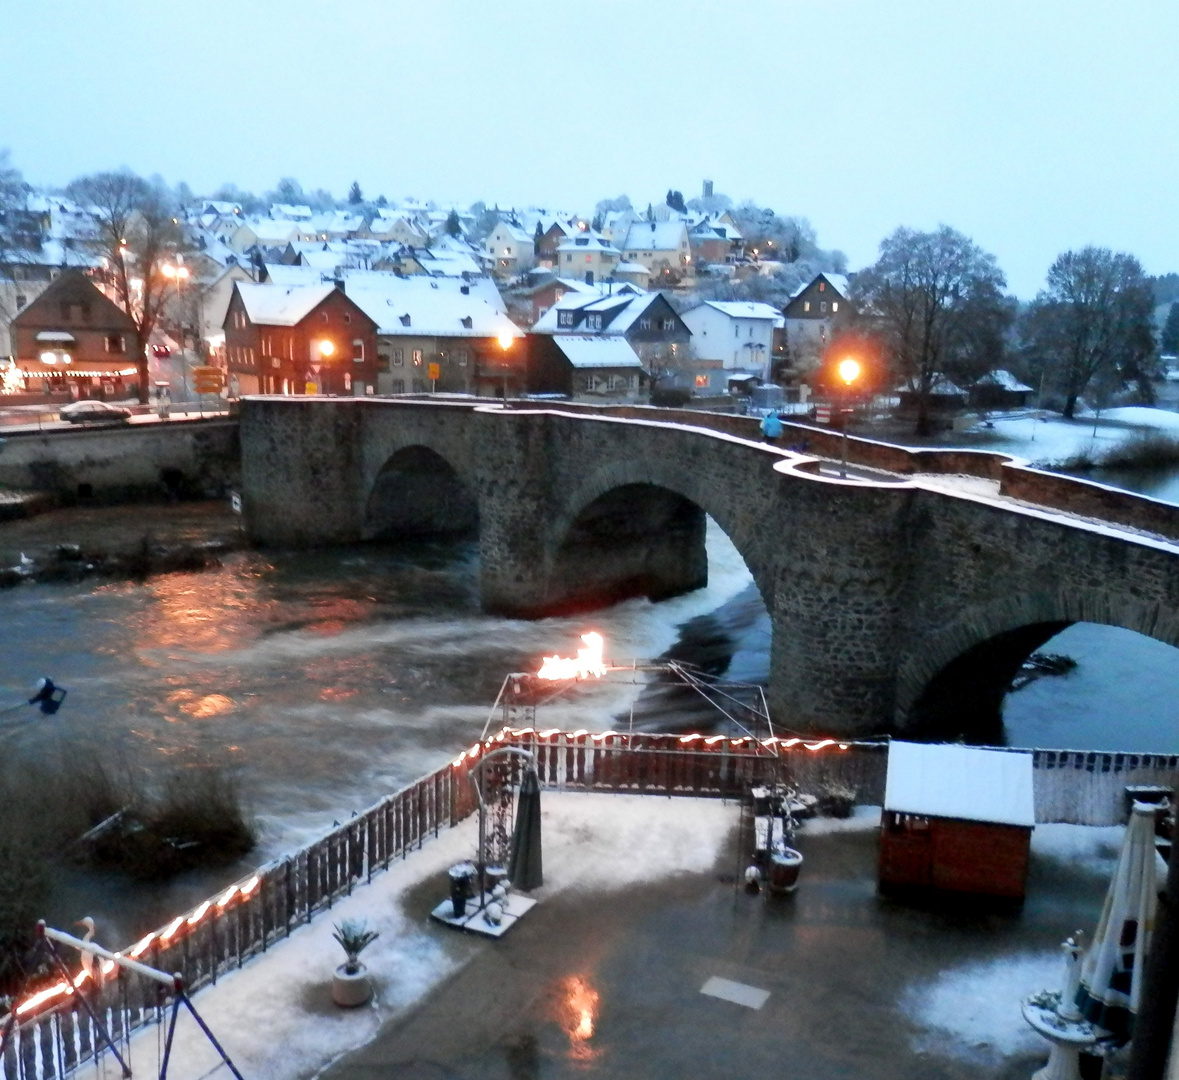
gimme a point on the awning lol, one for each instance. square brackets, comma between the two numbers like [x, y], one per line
[74, 371]
[55, 335]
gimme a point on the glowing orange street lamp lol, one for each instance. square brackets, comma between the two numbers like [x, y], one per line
[326, 348]
[849, 371]
[506, 341]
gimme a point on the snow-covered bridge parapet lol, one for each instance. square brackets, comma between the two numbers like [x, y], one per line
[874, 585]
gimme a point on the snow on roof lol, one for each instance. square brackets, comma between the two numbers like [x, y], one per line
[281, 305]
[632, 301]
[744, 309]
[839, 283]
[290, 210]
[962, 782]
[1005, 381]
[516, 232]
[654, 236]
[584, 351]
[587, 241]
[268, 230]
[281, 274]
[435, 307]
[631, 268]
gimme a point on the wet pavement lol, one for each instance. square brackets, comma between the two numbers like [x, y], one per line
[609, 985]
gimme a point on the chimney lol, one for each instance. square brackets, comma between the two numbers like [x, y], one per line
[465, 290]
[708, 189]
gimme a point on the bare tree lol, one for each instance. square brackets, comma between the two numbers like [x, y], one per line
[1092, 323]
[135, 233]
[936, 300]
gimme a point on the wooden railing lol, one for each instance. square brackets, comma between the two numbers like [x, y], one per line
[55, 1035]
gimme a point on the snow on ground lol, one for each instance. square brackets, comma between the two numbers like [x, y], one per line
[972, 1013]
[1055, 439]
[863, 818]
[275, 1017]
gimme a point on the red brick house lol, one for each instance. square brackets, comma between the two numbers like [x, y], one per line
[299, 339]
[957, 819]
[74, 338]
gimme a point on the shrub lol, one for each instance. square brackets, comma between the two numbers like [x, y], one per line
[354, 937]
[671, 397]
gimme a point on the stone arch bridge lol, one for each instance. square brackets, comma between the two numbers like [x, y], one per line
[892, 597]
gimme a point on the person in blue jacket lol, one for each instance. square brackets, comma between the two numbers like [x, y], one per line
[771, 428]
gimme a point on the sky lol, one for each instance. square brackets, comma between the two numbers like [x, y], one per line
[1033, 127]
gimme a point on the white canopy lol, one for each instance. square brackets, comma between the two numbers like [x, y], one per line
[963, 782]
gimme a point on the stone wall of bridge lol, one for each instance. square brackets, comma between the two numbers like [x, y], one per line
[872, 588]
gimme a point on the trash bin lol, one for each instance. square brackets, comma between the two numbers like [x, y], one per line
[784, 867]
[461, 876]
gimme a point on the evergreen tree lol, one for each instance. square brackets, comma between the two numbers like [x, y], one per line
[538, 235]
[1170, 338]
[675, 199]
[453, 226]
[355, 197]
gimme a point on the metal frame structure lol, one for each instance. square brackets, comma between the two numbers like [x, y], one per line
[174, 983]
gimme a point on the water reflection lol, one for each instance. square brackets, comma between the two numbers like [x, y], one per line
[579, 1010]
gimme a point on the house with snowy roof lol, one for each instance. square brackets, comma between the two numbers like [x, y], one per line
[271, 234]
[1000, 389]
[443, 325]
[714, 239]
[812, 315]
[662, 247]
[731, 337]
[645, 319]
[584, 367]
[400, 226]
[587, 255]
[291, 211]
[510, 247]
[299, 339]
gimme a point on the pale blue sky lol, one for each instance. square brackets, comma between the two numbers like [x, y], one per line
[1032, 126]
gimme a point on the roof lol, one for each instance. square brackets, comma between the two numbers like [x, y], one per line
[584, 351]
[744, 309]
[587, 241]
[632, 302]
[1005, 381]
[281, 305]
[654, 236]
[962, 782]
[267, 230]
[434, 307]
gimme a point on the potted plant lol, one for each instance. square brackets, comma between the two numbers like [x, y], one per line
[350, 984]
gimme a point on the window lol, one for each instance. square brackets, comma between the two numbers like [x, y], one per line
[357, 350]
[564, 318]
[645, 323]
[594, 322]
[417, 358]
[834, 305]
[461, 356]
[589, 258]
[701, 382]
[668, 324]
[823, 306]
[507, 251]
[569, 258]
[348, 318]
[822, 286]
[736, 330]
[398, 357]
[806, 305]
[399, 386]
[323, 316]
[115, 343]
[21, 300]
[590, 382]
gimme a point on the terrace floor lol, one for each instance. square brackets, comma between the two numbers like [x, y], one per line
[607, 982]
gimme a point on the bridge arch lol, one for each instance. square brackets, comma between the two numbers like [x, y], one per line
[966, 665]
[419, 492]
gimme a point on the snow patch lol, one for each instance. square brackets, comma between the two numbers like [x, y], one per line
[972, 1013]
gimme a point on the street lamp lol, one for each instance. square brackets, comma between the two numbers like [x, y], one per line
[849, 370]
[505, 343]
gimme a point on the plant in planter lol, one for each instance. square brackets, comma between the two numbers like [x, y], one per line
[350, 984]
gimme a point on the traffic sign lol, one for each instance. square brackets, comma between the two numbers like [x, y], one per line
[433, 371]
[822, 414]
[208, 380]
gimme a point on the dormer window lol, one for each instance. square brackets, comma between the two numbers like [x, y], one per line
[467, 322]
[564, 318]
[594, 322]
[404, 319]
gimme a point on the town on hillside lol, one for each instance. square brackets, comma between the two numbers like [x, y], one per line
[117, 289]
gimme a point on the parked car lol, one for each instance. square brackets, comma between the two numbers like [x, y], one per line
[160, 350]
[94, 412]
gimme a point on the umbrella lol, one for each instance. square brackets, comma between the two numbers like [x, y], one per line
[525, 868]
[1111, 976]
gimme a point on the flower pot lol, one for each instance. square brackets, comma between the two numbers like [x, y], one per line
[351, 988]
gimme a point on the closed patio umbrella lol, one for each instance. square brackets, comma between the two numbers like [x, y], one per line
[1111, 975]
[525, 868]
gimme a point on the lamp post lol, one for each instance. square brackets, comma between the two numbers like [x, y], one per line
[505, 343]
[849, 370]
[179, 273]
[326, 349]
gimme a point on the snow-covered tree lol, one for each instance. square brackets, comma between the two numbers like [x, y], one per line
[1169, 340]
[355, 195]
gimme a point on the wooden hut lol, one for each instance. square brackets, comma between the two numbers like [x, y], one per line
[956, 819]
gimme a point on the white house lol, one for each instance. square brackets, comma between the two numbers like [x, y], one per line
[510, 247]
[662, 247]
[739, 334]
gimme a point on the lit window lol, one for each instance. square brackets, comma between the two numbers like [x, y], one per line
[822, 286]
[417, 358]
[834, 305]
[806, 305]
[701, 382]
